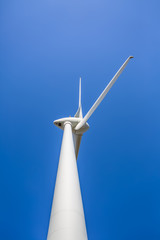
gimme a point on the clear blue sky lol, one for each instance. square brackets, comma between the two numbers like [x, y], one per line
[45, 46]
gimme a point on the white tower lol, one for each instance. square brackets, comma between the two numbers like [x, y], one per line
[67, 221]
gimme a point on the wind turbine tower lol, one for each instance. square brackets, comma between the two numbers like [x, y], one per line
[67, 220]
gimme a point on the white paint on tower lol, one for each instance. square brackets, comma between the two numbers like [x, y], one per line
[67, 220]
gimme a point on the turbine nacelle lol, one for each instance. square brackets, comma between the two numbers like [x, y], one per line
[74, 122]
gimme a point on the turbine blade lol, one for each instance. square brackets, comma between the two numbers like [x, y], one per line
[80, 92]
[79, 111]
[103, 94]
[77, 142]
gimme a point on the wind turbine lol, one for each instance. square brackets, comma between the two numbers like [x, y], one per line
[67, 221]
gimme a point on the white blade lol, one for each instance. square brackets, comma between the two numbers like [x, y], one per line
[77, 142]
[80, 92]
[79, 111]
[103, 94]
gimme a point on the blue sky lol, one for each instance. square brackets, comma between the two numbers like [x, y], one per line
[45, 47]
